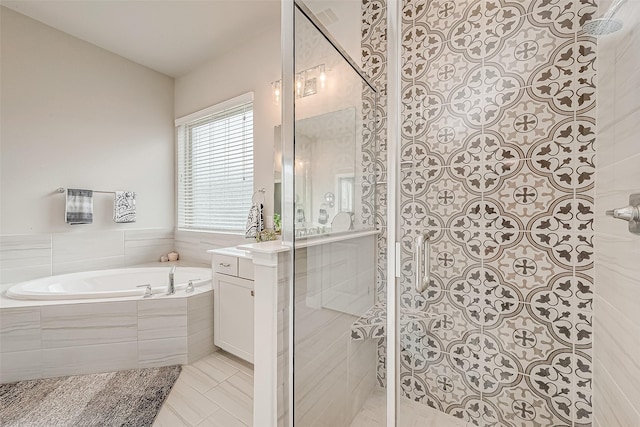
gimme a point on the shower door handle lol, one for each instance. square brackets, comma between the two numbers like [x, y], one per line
[423, 263]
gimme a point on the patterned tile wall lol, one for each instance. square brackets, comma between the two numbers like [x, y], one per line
[498, 132]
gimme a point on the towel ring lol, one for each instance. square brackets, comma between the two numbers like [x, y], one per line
[261, 192]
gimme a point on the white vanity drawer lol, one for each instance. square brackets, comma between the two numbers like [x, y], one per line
[225, 264]
[245, 268]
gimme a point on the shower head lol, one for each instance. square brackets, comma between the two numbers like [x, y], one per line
[602, 26]
[607, 24]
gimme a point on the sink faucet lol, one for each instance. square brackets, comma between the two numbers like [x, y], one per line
[171, 289]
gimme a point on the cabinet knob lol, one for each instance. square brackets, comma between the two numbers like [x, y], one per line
[253, 294]
[225, 264]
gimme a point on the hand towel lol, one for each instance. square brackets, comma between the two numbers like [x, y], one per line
[124, 206]
[254, 221]
[79, 206]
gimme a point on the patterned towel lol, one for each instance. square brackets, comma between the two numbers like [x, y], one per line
[124, 206]
[254, 221]
[79, 207]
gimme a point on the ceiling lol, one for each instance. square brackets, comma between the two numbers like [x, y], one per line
[172, 37]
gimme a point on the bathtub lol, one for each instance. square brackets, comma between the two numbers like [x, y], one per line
[99, 321]
[101, 284]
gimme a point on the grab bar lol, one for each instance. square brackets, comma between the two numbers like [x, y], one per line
[423, 255]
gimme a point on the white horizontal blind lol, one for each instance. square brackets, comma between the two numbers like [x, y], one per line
[215, 169]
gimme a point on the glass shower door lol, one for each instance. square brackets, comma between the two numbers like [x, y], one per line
[332, 225]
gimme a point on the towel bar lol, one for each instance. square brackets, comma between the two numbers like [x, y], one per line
[62, 190]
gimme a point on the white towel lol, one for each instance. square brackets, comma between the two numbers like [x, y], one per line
[124, 206]
[79, 206]
[254, 221]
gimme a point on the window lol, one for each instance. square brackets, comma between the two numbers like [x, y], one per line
[215, 166]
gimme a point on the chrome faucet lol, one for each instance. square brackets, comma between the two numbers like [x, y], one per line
[171, 289]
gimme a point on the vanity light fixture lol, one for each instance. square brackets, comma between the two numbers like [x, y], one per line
[307, 83]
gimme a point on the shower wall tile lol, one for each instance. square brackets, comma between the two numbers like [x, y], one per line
[612, 407]
[497, 163]
[518, 406]
[619, 286]
[616, 331]
[524, 338]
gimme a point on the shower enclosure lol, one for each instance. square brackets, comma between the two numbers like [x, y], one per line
[333, 206]
[469, 138]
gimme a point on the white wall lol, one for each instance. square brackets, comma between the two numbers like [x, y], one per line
[250, 68]
[74, 115]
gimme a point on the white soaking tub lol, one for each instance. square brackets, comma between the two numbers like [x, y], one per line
[114, 283]
[100, 321]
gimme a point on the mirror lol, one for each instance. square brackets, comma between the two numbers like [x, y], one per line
[326, 181]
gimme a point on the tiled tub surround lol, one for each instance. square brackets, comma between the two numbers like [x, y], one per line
[49, 339]
[29, 256]
[498, 111]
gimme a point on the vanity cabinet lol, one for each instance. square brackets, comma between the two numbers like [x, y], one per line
[233, 298]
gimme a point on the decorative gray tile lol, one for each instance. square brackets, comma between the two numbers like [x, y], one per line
[552, 380]
[523, 338]
[526, 267]
[557, 15]
[518, 406]
[498, 140]
[583, 384]
[447, 385]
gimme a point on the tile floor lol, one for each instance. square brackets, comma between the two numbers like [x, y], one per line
[412, 414]
[215, 391]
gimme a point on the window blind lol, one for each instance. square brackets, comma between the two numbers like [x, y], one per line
[215, 167]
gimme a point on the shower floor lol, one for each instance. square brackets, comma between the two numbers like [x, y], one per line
[412, 414]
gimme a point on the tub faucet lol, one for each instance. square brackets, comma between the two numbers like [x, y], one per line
[171, 289]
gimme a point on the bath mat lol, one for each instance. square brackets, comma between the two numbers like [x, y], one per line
[125, 398]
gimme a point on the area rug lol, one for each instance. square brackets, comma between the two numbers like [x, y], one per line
[125, 398]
